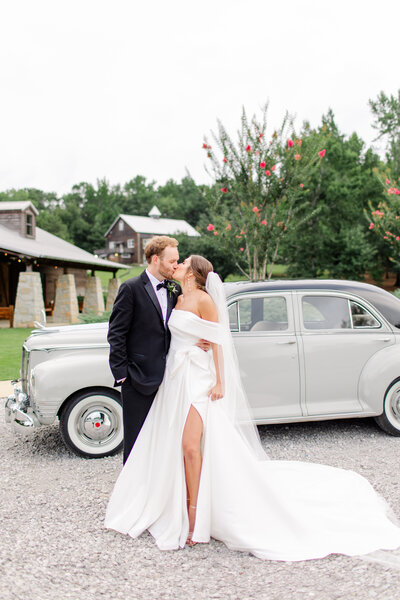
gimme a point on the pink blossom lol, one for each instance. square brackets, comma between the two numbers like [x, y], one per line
[210, 227]
[387, 181]
[290, 143]
[302, 185]
[228, 227]
[260, 135]
[248, 148]
[262, 165]
[397, 238]
[273, 167]
[215, 232]
[242, 232]
[255, 209]
[371, 226]
[224, 160]
[297, 156]
[268, 173]
[385, 237]
[299, 142]
[238, 236]
[264, 222]
[224, 190]
[205, 146]
[396, 191]
[241, 249]
[322, 153]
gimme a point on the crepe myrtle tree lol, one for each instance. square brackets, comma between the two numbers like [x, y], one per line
[259, 188]
[385, 219]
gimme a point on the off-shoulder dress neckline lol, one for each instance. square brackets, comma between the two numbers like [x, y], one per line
[194, 314]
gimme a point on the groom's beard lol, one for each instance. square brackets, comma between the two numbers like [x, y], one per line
[166, 273]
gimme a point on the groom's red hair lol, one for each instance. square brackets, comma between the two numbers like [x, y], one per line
[157, 244]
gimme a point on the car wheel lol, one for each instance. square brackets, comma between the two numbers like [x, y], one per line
[389, 420]
[91, 423]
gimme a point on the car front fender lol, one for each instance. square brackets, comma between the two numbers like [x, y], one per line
[378, 373]
[56, 379]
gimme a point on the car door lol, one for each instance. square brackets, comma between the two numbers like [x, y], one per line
[263, 329]
[339, 334]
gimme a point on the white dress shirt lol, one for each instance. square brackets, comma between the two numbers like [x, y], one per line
[162, 294]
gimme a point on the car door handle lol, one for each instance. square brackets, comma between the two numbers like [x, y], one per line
[289, 342]
[385, 339]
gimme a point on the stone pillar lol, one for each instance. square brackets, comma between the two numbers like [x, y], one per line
[94, 299]
[66, 304]
[113, 286]
[29, 301]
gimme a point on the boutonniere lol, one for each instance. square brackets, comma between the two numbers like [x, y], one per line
[171, 287]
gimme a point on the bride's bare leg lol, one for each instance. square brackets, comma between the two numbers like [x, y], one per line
[192, 455]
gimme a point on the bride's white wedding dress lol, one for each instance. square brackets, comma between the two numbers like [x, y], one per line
[279, 510]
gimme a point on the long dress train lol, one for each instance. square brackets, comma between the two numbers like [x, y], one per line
[278, 510]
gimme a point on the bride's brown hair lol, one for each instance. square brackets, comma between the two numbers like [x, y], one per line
[200, 267]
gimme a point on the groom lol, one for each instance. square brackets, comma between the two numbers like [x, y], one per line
[138, 334]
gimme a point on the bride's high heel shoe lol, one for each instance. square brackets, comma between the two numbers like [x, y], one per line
[189, 540]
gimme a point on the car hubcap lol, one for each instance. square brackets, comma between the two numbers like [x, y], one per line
[97, 425]
[395, 405]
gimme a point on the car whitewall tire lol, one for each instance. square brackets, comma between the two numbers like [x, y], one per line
[91, 423]
[389, 420]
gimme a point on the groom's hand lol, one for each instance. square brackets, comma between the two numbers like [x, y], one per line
[204, 345]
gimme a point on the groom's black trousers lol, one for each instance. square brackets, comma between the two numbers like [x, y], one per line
[135, 407]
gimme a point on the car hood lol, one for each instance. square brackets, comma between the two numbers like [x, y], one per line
[67, 335]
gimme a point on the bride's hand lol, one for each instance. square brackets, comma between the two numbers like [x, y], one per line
[216, 392]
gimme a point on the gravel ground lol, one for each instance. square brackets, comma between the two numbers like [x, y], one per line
[52, 542]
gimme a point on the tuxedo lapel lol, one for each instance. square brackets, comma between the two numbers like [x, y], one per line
[170, 306]
[150, 290]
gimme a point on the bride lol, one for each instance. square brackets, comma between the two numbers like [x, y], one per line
[198, 470]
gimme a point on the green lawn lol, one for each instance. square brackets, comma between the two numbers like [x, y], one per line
[11, 341]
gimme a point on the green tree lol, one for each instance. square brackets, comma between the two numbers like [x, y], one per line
[386, 112]
[185, 200]
[335, 241]
[258, 190]
[385, 222]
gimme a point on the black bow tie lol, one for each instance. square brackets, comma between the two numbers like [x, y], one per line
[162, 284]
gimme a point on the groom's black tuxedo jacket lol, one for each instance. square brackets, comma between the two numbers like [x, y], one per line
[138, 339]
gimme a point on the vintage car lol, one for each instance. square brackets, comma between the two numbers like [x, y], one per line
[308, 350]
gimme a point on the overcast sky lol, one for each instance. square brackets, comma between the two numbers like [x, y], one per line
[116, 88]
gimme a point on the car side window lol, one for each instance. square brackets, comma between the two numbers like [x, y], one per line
[233, 317]
[326, 312]
[261, 314]
[361, 317]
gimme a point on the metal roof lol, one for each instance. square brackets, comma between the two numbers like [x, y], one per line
[49, 246]
[18, 205]
[156, 226]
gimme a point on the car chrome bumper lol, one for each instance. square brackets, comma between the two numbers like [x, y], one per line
[16, 411]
